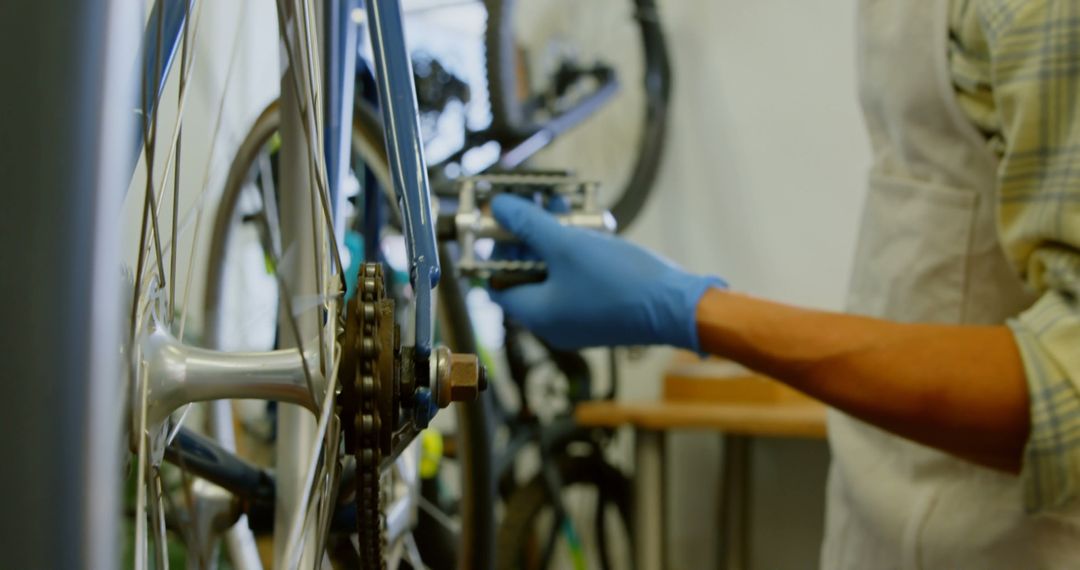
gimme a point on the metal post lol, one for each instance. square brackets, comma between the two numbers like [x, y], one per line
[733, 553]
[649, 504]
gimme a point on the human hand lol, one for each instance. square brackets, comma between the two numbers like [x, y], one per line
[600, 290]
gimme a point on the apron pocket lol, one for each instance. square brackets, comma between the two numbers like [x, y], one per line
[913, 251]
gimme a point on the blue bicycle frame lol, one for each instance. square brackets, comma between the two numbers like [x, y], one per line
[405, 151]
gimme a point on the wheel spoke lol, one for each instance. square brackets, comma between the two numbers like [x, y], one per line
[557, 522]
[299, 521]
[331, 484]
[178, 423]
[190, 272]
[171, 156]
[176, 162]
[197, 206]
[296, 535]
[307, 115]
[140, 477]
[150, 128]
[269, 203]
[316, 259]
[150, 206]
[157, 519]
[438, 516]
[412, 551]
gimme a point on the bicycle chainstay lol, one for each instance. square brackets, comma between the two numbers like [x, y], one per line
[369, 360]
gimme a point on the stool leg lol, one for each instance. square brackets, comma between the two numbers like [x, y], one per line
[649, 504]
[733, 553]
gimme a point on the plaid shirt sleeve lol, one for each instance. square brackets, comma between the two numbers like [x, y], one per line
[1016, 69]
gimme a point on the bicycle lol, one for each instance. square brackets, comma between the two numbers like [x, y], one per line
[321, 342]
[162, 372]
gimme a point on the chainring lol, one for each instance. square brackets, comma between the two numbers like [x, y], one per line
[366, 405]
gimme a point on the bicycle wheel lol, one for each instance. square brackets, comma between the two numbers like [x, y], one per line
[545, 56]
[176, 193]
[595, 533]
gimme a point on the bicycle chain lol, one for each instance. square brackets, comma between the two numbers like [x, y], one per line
[366, 404]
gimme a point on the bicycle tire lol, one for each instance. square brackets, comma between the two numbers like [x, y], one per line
[526, 503]
[260, 133]
[510, 120]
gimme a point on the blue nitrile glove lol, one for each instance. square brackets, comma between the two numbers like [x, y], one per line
[600, 290]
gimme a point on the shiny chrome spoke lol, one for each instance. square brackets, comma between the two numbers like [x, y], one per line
[157, 519]
[140, 474]
[312, 480]
[294, 325]
[330, 483]
[269, 205]
[412, 552]
[190, 272]
[307, 111]
[152, 202]
[150, 128]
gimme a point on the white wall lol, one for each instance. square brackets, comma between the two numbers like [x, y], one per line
[761, 184]
[762, 180]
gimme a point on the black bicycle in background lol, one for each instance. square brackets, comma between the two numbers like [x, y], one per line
[578, 87]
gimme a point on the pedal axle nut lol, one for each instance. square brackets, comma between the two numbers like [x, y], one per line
[465, 373]
[458, 377]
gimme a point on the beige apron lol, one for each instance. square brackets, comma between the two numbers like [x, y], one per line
[928, 251]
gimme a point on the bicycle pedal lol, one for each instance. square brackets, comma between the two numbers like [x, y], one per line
[573, 202]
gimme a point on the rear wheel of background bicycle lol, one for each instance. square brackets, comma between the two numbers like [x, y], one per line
[595, 534]
[538, 55]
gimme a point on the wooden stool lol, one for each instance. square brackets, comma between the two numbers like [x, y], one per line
[712, 395]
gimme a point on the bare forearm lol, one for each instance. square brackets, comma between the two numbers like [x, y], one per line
[956, 388]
